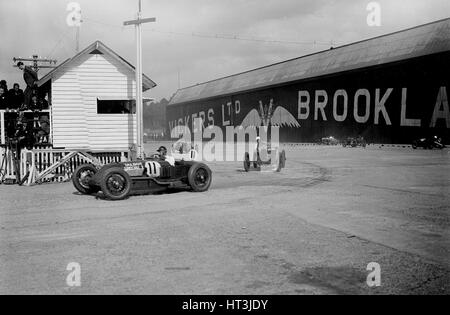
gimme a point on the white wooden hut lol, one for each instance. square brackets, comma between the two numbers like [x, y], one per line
[92, 97]
[92, 109]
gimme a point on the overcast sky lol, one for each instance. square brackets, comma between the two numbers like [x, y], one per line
[39, 27]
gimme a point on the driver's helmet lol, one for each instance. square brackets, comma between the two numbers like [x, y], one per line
[162, 150]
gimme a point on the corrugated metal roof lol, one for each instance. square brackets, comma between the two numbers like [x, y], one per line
[414, 42]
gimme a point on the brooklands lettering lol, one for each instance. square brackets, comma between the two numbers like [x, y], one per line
[365, 104]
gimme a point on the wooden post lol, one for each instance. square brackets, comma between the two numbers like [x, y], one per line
[2, 127]
[139, 103]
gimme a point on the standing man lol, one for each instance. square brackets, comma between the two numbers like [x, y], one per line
[4, 85]
[31, 78]
[3, 99]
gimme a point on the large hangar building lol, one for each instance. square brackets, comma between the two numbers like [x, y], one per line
[389, 89]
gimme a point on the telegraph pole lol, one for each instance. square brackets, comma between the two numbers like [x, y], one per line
[139, 104]
[77, 40]
[36, 60]
[74, 19]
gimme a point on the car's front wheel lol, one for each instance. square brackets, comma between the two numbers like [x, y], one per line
[200, 177]
[81, 178]
[115, 183]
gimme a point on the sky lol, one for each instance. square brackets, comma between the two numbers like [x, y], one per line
[186, 44]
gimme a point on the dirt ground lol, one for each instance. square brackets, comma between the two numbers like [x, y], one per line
[311, 229]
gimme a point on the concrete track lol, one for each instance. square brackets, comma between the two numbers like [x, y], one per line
[311, 229]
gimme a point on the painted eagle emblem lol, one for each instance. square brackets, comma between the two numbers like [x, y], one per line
[268, 115]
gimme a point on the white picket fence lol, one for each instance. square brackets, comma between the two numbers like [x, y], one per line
[38, 160]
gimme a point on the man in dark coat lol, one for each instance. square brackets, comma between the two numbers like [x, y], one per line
[31, 78]
[4, 85]
[15, 97]
[3, 99]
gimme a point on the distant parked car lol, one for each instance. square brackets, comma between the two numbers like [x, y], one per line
[354, 142]
[330, 141]
[428, 143]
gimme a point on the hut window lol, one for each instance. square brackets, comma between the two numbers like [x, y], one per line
[116, 106]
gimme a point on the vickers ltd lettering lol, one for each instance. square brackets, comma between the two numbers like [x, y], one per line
[207, 117]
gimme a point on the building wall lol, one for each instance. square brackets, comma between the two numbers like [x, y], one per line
[69, 122]
[390, 103]
[76, 123]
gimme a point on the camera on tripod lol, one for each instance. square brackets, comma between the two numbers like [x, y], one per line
[10, 161]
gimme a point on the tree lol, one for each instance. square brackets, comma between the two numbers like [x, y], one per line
[155, 115]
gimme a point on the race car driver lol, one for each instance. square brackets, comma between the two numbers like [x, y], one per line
[162, 152]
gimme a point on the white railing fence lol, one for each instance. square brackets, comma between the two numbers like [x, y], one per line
[51, 165]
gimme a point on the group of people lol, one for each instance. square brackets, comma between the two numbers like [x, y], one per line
[23, 118]
[16, 99]
[12, 99]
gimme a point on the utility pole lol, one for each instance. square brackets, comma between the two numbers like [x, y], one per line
[77, 39]
[74, 19]
[36, 60]
[139, 104]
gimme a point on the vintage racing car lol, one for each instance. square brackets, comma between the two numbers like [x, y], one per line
[119, 180]
[262, 156]
[428, 143]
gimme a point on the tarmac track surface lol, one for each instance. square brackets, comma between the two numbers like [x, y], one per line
[311, 229]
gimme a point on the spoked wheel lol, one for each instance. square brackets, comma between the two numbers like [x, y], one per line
[81, 178]
[200, 177]
[247, 162]
[115, 184]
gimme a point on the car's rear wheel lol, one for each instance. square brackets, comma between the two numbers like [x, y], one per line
[247, 162]
[81, 178]
[199, 177]
[115, 183]
[414, 145]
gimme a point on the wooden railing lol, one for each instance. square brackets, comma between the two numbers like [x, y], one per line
[50, 165]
